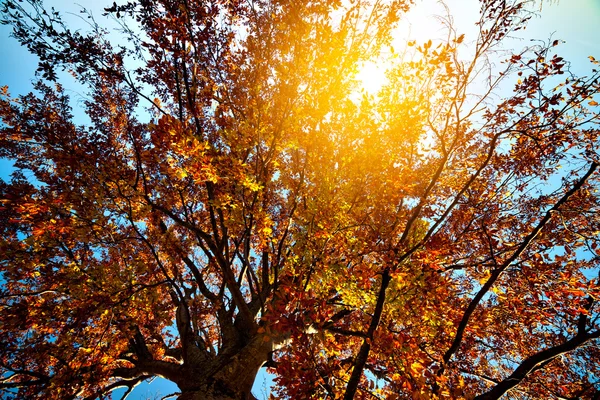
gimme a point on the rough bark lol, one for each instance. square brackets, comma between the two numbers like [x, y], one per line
[229, 376]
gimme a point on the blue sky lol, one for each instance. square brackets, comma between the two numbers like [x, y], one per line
[574, 21]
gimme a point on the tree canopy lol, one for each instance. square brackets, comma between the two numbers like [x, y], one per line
[235, 201]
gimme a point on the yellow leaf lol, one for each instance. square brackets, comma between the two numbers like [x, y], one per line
[251, 184]
[485, 278]
[593, 103]
[267, 231]
[416, 367]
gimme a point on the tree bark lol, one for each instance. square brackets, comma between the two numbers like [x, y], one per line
[229, 376]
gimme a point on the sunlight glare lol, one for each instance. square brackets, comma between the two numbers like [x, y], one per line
[371, 76]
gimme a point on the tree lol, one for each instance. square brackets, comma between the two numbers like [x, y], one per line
[260, 211]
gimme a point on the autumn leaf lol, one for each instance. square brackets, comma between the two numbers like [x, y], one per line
[229, 195]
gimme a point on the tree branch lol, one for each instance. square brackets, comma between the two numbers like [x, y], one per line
[535, 362]
[500, 269]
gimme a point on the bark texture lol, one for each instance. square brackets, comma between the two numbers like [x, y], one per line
[229, 376]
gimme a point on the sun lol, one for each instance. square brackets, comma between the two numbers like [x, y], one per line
[371, 76]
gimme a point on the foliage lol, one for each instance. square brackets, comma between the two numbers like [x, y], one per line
[420, 243]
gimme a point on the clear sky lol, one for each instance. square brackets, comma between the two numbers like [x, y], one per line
[574, 21]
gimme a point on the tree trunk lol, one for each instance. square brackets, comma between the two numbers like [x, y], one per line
[227, 377]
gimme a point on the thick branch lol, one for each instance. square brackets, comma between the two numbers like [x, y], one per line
[363, 353]
[228, 275]
[170, 371]
[534, 362]
[498, 271]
